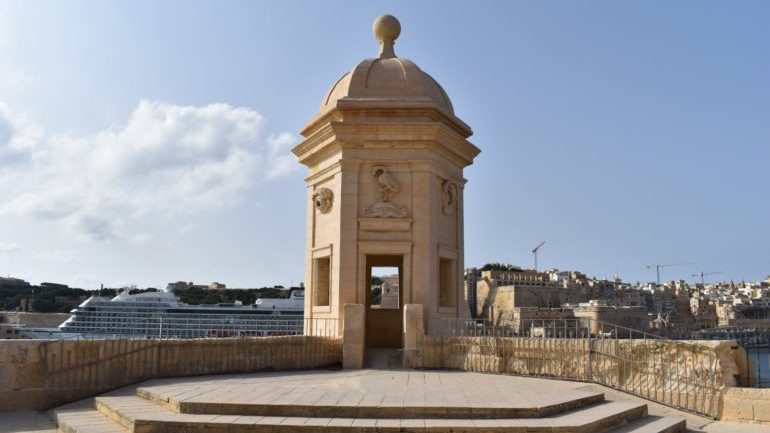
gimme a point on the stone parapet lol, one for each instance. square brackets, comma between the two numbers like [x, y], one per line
[747, 405]
[40, 374]
[687, 376]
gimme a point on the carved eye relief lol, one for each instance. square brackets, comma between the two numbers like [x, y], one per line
[323, 199]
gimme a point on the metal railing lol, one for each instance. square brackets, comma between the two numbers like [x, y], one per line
[679, 374]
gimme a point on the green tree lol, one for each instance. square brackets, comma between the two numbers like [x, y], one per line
[496, 266]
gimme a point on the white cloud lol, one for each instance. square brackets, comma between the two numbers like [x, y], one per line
[281, 161]
[167, 160]
[63, 256]
[9, 247]
[18, 138]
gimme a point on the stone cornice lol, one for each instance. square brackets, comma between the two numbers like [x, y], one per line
[381, 109]
[312, 144]
[411, 134]
[331, 170]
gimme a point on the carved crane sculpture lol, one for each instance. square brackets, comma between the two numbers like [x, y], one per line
[388, 184]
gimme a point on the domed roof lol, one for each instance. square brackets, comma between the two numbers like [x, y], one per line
[387, 77]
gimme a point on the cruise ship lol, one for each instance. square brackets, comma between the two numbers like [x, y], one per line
[162, 315]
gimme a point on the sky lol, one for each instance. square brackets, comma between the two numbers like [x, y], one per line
[145, 142]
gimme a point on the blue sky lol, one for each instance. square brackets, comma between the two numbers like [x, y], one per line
[146, 142]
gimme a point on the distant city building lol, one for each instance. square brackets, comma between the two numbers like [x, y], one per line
[472, 276]
[8, 282]
[182, 286]
[600, 313]
[512, 296]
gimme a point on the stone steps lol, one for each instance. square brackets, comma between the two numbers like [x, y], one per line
[81, 417]
[363, 410]
[122, 414]
[144, 416]
[359, 401]
[652, 424]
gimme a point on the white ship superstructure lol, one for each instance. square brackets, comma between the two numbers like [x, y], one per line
[161, 314]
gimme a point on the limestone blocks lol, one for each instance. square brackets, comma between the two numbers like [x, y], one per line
[414, 335]
[353, 347]
[388, 187]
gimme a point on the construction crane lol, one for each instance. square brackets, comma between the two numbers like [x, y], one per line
[534, 251]
[703, 274]
[658, 266]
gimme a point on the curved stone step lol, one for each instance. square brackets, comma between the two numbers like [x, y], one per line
[142, 416]
[372, 409]
[82, 417]
[653, 424]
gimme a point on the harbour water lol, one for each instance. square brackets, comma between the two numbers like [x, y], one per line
[761, 358]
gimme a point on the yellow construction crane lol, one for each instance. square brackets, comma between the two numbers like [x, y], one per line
[657, 267]
[534, 251]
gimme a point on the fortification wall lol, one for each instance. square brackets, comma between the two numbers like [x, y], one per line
[688, 376]
[40, 374]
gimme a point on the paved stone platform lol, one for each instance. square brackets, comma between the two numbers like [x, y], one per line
[482, 399]
[370, 393]
[370, 400]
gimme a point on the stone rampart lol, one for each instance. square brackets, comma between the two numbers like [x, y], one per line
[40, 374]
[691, 375]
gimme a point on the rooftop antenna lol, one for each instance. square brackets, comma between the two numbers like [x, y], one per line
[535, 250]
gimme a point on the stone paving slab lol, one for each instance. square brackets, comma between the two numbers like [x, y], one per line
[370, 394]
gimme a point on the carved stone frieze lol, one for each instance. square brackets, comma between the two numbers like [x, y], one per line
[384, 209]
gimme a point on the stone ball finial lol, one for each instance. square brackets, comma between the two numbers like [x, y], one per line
[386, 29]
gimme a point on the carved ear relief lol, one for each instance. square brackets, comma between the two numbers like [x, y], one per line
[448, 197]
[323, 199]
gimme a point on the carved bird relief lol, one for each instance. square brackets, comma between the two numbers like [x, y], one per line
[388, 187]
[388, 184]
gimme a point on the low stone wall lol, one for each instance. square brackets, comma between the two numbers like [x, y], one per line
[689, 376]
[40, 374]
[747, 405]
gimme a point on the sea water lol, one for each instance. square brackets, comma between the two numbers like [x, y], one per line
[761, 358]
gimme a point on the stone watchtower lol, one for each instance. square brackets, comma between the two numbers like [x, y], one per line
[385, 189]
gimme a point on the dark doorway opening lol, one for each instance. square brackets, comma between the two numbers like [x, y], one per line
[384, 301]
